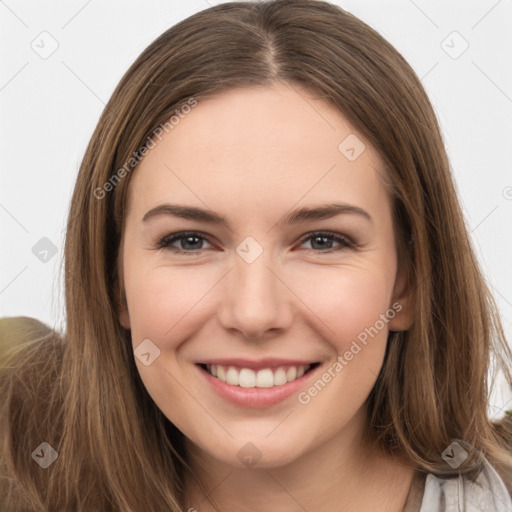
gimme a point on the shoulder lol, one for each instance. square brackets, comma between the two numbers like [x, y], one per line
[31, 401]
[30, 354]
[30, 363]
[487, 492]
[16, 332]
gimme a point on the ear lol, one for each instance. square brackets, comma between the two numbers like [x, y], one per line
[402, 302]
[123, 314]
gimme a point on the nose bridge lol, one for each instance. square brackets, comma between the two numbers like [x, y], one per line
[255, 299]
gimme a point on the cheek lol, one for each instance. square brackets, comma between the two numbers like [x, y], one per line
[353, 312]
[163, 301]
[349, 303]
[166, 307]
[344, 303]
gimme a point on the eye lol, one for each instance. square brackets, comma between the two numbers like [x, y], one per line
[192, 242]
[189, 242]
[323, 241]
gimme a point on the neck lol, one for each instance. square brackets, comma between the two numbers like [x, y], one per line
[344, 474]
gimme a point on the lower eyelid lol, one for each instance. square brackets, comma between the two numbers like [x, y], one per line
[344, 241]
[165, 243]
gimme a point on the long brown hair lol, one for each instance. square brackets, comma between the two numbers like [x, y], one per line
[80, 391]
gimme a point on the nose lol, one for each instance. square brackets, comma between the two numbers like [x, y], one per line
[256, 301]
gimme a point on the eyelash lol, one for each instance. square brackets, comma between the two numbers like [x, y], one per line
[166, 241]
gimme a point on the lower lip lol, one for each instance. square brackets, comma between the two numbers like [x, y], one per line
[256, 397]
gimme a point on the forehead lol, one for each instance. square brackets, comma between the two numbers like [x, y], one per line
[260, 145]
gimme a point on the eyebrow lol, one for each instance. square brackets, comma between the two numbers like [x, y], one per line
[297, 216]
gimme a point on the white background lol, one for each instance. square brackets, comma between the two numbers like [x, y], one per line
[49, 108]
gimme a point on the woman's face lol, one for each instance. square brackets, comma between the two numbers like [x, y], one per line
[256, 289]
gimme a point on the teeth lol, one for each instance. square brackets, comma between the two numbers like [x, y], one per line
[266, 378]
[232, 377]
[280, 377]
[221, 374]
[247, 378]
[291, 373]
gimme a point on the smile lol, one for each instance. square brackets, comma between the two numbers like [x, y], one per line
[265, 378]
[262, 385]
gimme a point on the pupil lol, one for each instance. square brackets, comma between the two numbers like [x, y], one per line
[196, 241]
[322, 245]
[187, 240]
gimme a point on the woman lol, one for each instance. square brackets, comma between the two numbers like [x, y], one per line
[272, 299]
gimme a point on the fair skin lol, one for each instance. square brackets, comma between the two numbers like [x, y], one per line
[252, 155]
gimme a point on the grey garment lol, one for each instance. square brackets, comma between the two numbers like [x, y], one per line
[459, 494]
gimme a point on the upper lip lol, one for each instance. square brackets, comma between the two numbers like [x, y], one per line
[258, 364]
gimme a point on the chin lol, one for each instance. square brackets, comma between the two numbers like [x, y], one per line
[257, 452]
